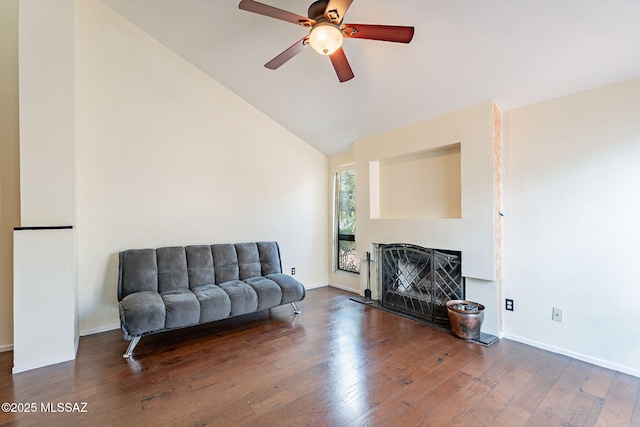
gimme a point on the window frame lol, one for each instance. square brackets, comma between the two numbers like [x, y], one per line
[337, 236]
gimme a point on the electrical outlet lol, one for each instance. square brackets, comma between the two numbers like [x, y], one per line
[293, 271]
[508, 304]
[557, 314]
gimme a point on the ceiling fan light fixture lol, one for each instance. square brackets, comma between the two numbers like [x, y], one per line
[325, 38]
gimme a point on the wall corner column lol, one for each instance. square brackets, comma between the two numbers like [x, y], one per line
[45, 260]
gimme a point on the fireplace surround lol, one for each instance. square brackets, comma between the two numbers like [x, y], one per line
[475, 230]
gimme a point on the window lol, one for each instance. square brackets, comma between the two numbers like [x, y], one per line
[346, 222]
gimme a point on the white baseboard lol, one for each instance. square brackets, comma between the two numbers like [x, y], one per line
[595, 361]
[42, 363]
[4, 348]
[100, 329]
[307, 287]
[333, 285]
[344, 288]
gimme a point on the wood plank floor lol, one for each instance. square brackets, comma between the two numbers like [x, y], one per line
[339, 363]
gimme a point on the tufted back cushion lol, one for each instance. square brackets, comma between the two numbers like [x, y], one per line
[172, 269]
[248, 260]
[178, 268]
[138, 272]
[200, 265]
[269, 258]
[225, 262]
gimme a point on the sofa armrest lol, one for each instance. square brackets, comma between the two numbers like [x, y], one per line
[141, 313]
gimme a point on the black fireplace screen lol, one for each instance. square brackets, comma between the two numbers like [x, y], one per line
[419, 281]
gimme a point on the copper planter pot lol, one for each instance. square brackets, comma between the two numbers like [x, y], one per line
[465, 318]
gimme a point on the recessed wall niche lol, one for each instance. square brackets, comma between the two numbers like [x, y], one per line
[417, 185]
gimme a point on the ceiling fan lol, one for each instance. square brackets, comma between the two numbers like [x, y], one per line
[325, 19]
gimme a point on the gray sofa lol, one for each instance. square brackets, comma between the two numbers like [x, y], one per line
[175, 287]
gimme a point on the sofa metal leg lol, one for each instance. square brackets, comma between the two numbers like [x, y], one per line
[132, 345]
[296, 310]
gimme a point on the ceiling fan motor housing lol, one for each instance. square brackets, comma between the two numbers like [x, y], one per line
[317, 8]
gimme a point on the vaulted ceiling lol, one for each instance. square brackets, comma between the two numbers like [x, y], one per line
[463, 52]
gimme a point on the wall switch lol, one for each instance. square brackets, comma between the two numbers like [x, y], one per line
[557, 314]
[293, 271]
[508, 304]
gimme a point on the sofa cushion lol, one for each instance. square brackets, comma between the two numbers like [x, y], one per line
[172, 269]
[292, 290]
[269, 258]
[248, 260]
[182, 308]
[142, 312]
[200, 265]
[138, 272]
[225, 263]
[243, 298]
[268, 291]
[215, 303]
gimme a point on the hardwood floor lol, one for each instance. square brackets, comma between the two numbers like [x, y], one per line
[339, 363]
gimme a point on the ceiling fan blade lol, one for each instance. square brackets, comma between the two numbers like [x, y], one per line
[385, 33]
[295, 49]
[336, 9]
[341, 65]
[274, 12]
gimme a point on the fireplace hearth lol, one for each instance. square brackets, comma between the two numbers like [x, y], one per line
[418, 282]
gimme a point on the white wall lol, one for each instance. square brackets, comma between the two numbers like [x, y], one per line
[571, 228]
[167, 156]
[9, 162]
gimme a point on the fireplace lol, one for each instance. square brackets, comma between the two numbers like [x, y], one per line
[417, 281]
